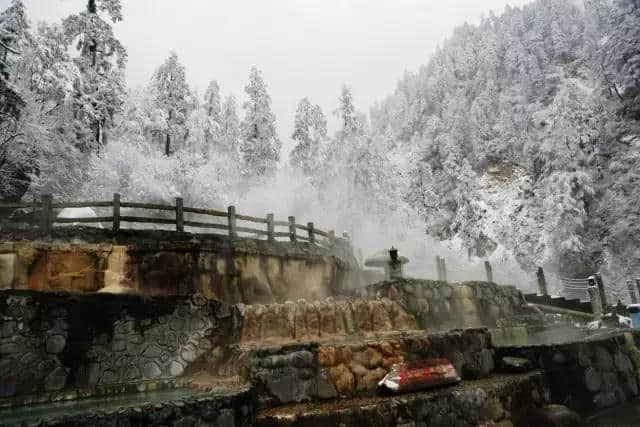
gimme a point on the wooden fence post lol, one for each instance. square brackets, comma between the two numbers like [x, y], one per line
[179, 214]
[312, 232]
[439, 268]
[116, 212]
[292, 228]
[596, 307]
[231, 216]
[270, 228]
[46, 213]
[443, 265]
[603, 295]
[542, 282]
[489, 271]
[632, 292]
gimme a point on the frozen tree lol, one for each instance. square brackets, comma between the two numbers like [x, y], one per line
[346, 113]
[199, 130]
[622, 54]
[172, 97]
[230, 127]
[99, 88]
[212, 101]
[14, 28]
[213, 114]
[260, 145]
[309, 132]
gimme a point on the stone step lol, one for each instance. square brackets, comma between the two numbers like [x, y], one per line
[503, 399]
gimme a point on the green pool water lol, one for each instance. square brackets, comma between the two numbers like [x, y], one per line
[526, 336]
[34, 413]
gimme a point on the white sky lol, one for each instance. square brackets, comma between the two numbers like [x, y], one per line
[303, 47]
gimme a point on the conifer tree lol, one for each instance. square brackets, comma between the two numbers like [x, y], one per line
[310, 129]
[230, 127]
[172, 98]
[99, 87]
[260, 145]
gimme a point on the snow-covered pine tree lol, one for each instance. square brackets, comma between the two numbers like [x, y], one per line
[172, 94]
[260, 145]
[213, 113]
[230, 127]
[14, 29]
[346, 113]
[309, 132]
[212, 101]
[99, 89]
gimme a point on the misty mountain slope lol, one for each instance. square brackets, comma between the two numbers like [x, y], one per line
[534, 91]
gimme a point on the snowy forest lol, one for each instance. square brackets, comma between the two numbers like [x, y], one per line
[518, 140]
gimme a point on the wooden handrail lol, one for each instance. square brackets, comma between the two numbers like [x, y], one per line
[44, 208]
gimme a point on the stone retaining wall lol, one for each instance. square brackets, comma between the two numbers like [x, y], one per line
[440, 306]
[59, 345]
[504, 401]
[306, 372]
[589, 375]
[152, 262]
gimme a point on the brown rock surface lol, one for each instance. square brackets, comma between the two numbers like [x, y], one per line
[343, 380]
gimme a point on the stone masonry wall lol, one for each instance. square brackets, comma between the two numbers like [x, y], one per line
[59, 344]
[441, 306]
[152, 262]
[504, 401]
[589, 375]
[305, 372]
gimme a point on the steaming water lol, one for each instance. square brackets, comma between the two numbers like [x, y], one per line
[374, 225]
[548, 335]
[32, 413]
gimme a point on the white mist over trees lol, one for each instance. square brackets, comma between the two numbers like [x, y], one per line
[518, 138]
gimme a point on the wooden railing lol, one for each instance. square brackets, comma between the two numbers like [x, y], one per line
[45, 206]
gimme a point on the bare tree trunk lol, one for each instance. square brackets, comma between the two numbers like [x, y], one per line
[167, 145]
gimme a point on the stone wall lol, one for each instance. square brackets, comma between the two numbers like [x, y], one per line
[169, 263]
[440, 306]
[55, 345]
[503, 401]
[306, 372]
[588, 375]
